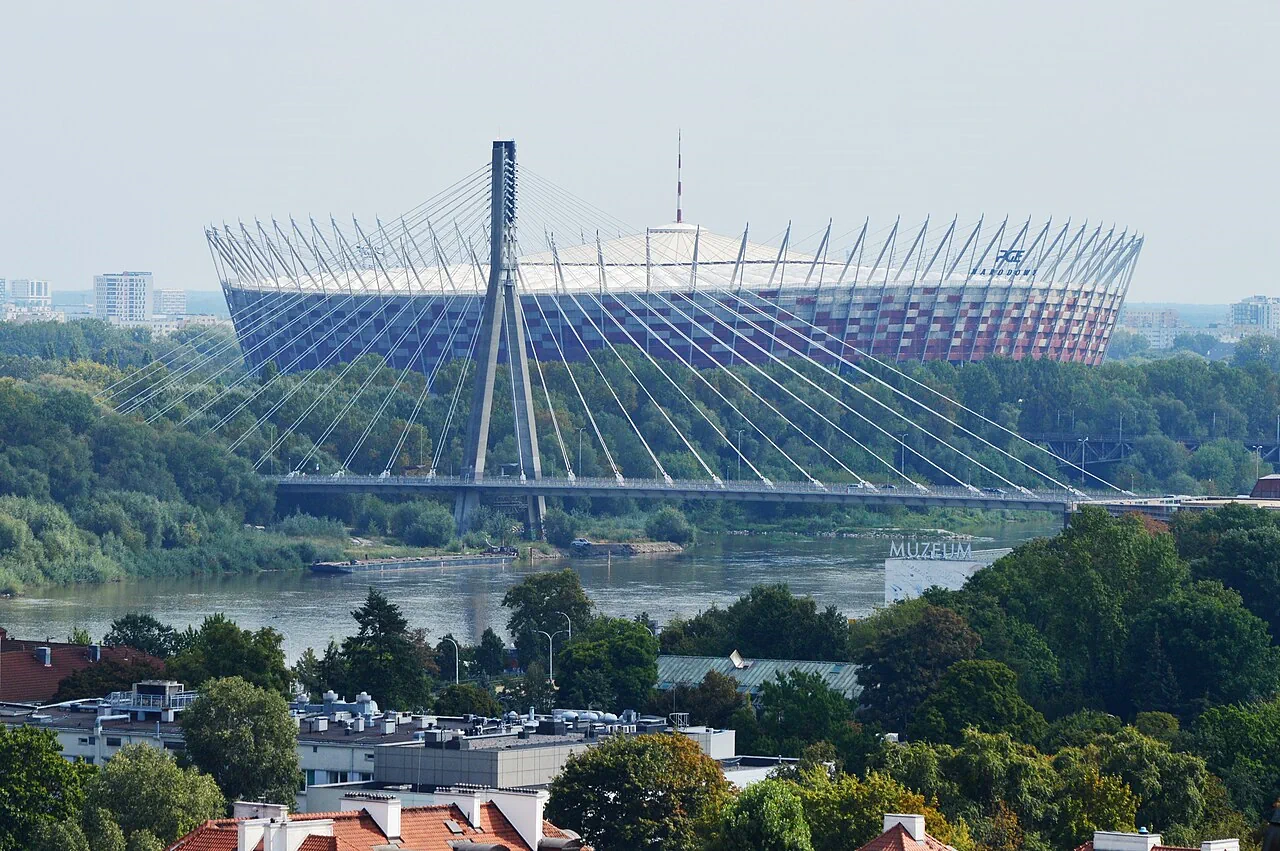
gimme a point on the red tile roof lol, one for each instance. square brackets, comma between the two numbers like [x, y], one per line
[897, 838]
[24, 679]
[421, 828]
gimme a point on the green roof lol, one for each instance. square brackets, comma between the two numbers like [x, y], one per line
[690, 671]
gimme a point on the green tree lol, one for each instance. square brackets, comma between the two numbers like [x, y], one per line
[1224, 653]
[143, 788]
[768, 622]
[904, 664]
[244, 737]
[630, 792]
[614, 664]
[537, 603]
[982, 694]
[491, 653]
[382, 657]
[50, 835]
[466, 699]
[1241, 744]
[80, 636]
[221, 649]
[560, 527]
[845, 811]
[141, 632]
[799, 709]
[768, 816]
[36, 785]
[425, 524]
[668, 524]
[101, 830]
[712, 702]
[143, 840]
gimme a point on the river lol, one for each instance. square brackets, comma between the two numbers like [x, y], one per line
[310, 609]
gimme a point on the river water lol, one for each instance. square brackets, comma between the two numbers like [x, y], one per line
[310, 609]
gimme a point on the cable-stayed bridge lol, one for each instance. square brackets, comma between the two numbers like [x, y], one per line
[672, 363]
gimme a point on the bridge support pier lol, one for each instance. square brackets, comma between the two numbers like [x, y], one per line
[501, 320]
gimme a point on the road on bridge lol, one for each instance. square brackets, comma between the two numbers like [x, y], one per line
[934, 497]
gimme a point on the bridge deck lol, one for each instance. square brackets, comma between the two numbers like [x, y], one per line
[934, 497]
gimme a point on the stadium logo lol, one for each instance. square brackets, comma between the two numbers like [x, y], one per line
[1010, 255]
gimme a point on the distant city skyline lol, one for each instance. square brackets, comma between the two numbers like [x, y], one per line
[1147, 114]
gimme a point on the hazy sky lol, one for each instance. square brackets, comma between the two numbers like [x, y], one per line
[126, 127]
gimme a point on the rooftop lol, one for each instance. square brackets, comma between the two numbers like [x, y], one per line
[372, 822]
[29, 675]
[752, 674]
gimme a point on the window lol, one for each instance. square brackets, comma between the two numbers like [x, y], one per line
[113, 741]
[173, 746]
[368, 756]
[311, 777]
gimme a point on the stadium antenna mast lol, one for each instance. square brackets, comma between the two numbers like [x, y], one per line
[679, 163]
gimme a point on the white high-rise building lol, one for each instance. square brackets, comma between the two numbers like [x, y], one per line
[123, 297]
[170, 302]
[28, 292]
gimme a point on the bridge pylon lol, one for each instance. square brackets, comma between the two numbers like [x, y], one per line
[501, 320]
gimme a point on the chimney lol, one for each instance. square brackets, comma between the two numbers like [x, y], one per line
[286, 835]
[258, 810]
[1107, 840]
[913, 824]
[249, 832]
[383, 809]
[95, 652]
[469, 800]
[524, 809]
[45, 656]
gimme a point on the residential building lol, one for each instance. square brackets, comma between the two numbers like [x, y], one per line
[123, 297]
[168, 302]
[31, 670]
[752, 674]
[467, 818]
[1160, 327]
[1257, 314]
[4, 291]
[24, 315]
[29, 292]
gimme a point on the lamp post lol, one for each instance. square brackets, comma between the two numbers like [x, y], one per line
[569, 621]
[740, 452]
[579, 470]
[1257, 462]
[457, 659]
[1082, 441]
[551, 656]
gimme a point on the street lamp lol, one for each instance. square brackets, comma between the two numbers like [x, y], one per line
[570, 622]
[580, 431]
[1257, 462]
[551, 656]
[740, 452]
[457, 661]
[1082, 441]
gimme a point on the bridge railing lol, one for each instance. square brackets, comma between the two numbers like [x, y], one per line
[686, 486]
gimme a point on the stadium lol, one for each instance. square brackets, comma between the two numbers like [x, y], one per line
[304, 297]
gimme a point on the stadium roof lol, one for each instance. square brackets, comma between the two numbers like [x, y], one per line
[682, 257]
